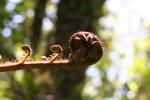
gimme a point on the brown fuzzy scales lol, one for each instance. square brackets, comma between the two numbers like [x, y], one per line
[86, 49]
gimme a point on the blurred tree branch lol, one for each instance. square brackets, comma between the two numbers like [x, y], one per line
[37, 23]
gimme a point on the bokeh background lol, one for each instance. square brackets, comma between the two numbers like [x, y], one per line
[123, 26]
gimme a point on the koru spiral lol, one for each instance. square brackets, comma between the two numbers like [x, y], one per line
[85, 47]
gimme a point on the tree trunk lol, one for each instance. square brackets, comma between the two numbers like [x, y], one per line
[73, 16]
[37, 23]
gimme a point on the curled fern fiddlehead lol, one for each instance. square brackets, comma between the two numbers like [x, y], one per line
[57, 51]
[28, 51]
[85, 47]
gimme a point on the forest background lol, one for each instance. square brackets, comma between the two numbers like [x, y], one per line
[123, 26]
